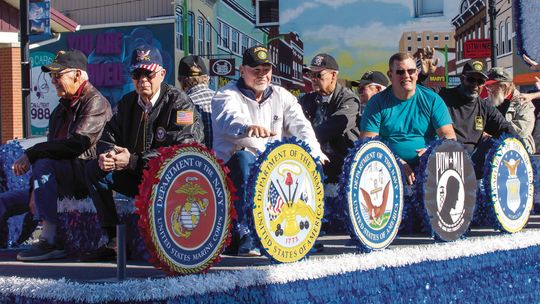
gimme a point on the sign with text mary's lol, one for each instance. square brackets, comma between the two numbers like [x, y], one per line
[109, 54]
[477, 48]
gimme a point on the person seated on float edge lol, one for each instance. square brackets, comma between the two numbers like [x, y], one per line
[472, 115]
[147, 119]
[193, 78]
[246, 115]
[406, 116]
[58, 164]
[371, 83]
[504, 95]
[333, 111]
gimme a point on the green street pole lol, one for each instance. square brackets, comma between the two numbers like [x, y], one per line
[185, 28]
[446, 64]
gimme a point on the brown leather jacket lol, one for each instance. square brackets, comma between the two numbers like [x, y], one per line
[85, 119]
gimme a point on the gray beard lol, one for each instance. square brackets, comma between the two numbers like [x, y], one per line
[468, 94]
[496, 100]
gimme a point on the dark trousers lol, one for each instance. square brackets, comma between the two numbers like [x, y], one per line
[239, 165]
[13, 203]
[478, 156]
[100, 185]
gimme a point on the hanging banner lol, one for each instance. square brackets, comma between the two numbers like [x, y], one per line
[39, 20]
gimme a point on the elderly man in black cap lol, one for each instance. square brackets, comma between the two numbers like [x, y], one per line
[58, 164]
[246, 115]
[371, 83]
[193, 77]
[154, 115]
[472, 116]
[334, 112]
[504, 95]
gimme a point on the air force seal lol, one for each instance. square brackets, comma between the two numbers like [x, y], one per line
[288, 202]
[188, 214]
[374, 195]
[450, 190]
[511, 185]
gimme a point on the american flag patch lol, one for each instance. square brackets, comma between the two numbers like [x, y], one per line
[184, 117]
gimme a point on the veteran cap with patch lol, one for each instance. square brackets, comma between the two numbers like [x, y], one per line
[145, 57]
[256, 55]
[498, 74]
[474, 67]
[321, 62]
[371, 77]
[73, 59]
[191, 66]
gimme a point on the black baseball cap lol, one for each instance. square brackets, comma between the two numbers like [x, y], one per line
[371, 77]
[73, 59]
[321, 62]
[192, 65]
[256, 55]
[474, 68]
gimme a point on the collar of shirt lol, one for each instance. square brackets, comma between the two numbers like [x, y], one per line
[147, 106]
[325, 99]
[249, 93]
[69, 103]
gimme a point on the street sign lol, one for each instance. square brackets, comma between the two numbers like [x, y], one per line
[222, 67]
[477, 48]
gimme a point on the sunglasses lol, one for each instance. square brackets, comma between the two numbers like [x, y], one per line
[58, 75]
[478, 81]
[318, 75]
[409, 71]
[139, 73]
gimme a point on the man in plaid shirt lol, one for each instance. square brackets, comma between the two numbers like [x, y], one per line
[193, 77]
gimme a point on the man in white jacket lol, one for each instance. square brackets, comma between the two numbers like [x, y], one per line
[248, 114]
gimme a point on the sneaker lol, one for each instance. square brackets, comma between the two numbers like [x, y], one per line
[101, 254]
[247, 247]
[41, 251]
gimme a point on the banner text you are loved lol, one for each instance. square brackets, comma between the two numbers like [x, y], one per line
[105, 67]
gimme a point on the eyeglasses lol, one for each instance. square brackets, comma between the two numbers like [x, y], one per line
[57, 75]
[409, 71]
[318, 75]
[139, 73]
[478, 81]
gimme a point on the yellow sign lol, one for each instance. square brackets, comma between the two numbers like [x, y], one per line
[289, 203]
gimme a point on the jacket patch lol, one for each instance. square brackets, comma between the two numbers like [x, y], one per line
[184, 118]
[160, 134]
[479, 123]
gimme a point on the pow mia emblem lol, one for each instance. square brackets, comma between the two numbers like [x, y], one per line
[160, 134]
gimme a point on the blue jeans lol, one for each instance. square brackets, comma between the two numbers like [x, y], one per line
[239, 165]
[100, 185]
[52, 179]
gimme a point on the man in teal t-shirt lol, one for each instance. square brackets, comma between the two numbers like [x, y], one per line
[406, 116]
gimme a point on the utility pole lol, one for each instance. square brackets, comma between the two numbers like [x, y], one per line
[492, 12]
[25, 67]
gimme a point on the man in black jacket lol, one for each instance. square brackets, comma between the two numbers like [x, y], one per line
[472, 115]
[58, 164]
[154, 115]
[334, 112]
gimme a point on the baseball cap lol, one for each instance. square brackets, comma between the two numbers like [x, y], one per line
[498, 74]
[474, 67]
[321, 62]
[73, 59]
[192, 65]
[256, 55]
[145, 57]
[371, 77]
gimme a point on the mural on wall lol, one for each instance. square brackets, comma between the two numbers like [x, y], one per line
[109, 54]
[360, 34]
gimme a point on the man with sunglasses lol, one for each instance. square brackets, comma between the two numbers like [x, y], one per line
[333, 111]
[472, 115]
[155, 115]
[407, 116]
[371, 83]
[58, 164]
[246, 115]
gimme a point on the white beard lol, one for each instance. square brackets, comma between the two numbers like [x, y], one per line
[496, 99]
